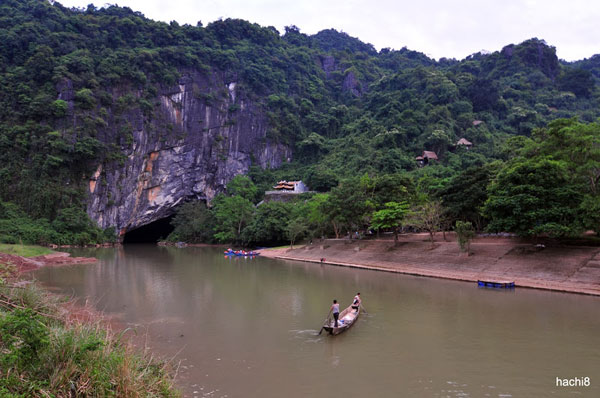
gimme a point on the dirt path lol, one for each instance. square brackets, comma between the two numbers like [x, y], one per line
[574, 269]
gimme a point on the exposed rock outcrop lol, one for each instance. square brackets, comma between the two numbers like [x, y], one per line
[534, 53]
[204, 132]
[352, 84]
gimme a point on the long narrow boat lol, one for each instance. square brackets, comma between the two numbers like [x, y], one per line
[345, 320]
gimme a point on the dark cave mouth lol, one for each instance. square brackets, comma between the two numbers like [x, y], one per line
[150, 233]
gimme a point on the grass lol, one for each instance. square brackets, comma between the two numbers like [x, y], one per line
[24, 250]
[45, 352]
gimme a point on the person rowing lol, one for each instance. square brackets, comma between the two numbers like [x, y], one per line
[356, 302]
[335, 308]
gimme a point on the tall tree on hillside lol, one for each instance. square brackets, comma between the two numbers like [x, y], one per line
[243, 186]
[575, 143]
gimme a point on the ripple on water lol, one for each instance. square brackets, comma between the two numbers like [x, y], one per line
[306, 335]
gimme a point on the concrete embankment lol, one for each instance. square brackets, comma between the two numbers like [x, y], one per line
[574, 269]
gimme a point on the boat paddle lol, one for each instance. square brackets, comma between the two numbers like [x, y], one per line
[323, 327]
[364, 309]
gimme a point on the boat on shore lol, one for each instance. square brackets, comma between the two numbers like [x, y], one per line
[241, 253]
[345, 321]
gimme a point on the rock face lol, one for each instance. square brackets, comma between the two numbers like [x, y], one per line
[534, 53]
[204, 132]
[350, 83]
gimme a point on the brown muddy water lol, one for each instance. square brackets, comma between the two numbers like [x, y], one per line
[248, 327]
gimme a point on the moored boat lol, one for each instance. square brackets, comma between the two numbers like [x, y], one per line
[240, 253]
[345, 320]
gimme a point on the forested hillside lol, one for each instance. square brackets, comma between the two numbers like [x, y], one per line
[82, 90]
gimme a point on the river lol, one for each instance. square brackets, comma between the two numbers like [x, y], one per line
[241, 327]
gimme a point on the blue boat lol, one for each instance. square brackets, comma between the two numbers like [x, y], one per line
[496, 284]
[241, 253]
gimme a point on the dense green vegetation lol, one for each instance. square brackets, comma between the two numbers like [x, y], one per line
[70, 226]
[70, 79]
[355, 119]
[43, 353]
[548, 186]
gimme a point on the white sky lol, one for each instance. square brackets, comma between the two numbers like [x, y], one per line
[438, 28]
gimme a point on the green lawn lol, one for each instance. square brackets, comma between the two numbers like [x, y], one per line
[24, 250]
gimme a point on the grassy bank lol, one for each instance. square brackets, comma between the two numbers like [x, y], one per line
[44, 352]
[24, 250]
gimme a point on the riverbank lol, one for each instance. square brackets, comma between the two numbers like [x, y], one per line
[573, 269]
[24, 264]
[52, 347]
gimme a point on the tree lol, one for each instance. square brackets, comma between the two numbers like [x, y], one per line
[193, 223]
[243, 186]
[576, 144]
[349, 206]
[589, 213]
[296, 228]
[464, 233]
[427, 217]
[231, 213]
[483, 94]
[579, 81]
[532, 197]
[390, 217]
[312, 211]
[465, 193]
[397, 187]
[268, 226]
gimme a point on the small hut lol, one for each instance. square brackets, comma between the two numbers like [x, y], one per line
[464, 142]
[426, 157]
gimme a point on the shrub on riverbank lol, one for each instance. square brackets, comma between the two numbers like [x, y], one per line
[45, 353]
[71, 226]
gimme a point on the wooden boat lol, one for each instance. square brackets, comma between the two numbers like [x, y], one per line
[496, 283]
[345, 320]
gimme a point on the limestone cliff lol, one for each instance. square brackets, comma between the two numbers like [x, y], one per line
[203, 132]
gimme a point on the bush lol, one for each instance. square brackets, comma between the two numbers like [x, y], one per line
[84, 98]
[47, 355]
[60, 108]
[71, 226]
[465, 233]
[23, 337]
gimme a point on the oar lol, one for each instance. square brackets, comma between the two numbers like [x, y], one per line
[323, 327]
[364, 309]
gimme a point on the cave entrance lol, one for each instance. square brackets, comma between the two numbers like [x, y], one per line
[150, 233]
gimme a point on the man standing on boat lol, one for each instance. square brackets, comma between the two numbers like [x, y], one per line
[356, 302]
[335, 308]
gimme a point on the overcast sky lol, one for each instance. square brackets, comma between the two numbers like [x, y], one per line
[438, 28]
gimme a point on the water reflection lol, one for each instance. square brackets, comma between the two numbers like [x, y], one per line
[248, 327]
